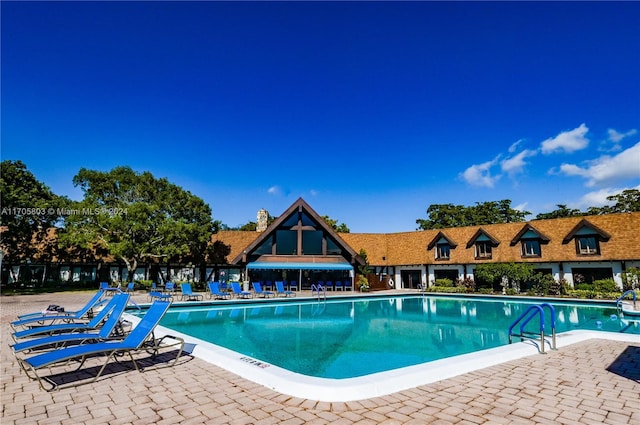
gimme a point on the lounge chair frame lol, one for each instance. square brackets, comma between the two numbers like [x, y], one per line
[141, 338]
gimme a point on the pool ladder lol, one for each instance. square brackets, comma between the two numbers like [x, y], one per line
[524, 318]
[319, 291]
[619, 300]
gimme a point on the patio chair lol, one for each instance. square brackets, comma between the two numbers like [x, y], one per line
[347, 286]
[140, 338]
[293, 285]
[187, 292]
[169, 288]
[109, 290]
[338, 285]
[161, 296]
[130, 288]
[216, 293]
[280, 291]
[111, 327]
[50, 316]
[257, 289]
[74, 327]
[238, 292]
[320, 283]
[328, 285]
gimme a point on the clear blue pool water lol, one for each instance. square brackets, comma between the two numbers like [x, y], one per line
[354, 337]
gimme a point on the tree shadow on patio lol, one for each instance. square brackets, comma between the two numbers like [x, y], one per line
[627, 364]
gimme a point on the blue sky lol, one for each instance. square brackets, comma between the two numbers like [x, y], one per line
[369, 111]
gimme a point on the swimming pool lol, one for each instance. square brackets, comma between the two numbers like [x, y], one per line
[348, 338]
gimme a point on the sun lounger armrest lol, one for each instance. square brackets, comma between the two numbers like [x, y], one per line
[159, 344]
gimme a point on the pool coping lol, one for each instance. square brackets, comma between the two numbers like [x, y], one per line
[376, 384]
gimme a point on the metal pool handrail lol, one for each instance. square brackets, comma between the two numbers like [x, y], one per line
[630, 291]
[526, 317]
[318, 289]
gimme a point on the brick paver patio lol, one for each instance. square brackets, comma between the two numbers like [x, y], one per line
[594, 382]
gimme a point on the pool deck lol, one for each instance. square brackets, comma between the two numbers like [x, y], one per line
[591, 382]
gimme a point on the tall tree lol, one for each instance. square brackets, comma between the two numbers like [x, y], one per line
[338, 227]
[626, 201]
[561, 212]
[29, 210]
[442, 216]
[138, 218]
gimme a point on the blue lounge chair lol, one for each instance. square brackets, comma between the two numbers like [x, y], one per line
[257, 288]
[348, 286]
[111, 326]
[187, 292]
[293, 285]
[95, 323]
[169, 288]
[338, 285]
[131, 288]
[215, 292]
[280, 291]
[32, 319]
[138, 339]
[109, 290]
[239, 293]
[161, 296]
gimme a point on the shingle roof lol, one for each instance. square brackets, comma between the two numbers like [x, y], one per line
[411, 248]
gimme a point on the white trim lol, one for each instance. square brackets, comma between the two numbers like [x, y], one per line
[376, 384]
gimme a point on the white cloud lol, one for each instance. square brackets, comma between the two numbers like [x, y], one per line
[516, 164]
[514, 146]
[567, 141]
[608, 169]
[480, 174]
[615, 136]
[274, 190]
[521, 207]
[598, 198]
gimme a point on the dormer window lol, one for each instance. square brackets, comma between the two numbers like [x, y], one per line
[443, 246]
[443, 251]
[587, 245]
[531, 241]
[587, 238]
[483, 250]
[483, 244]
[531, 248]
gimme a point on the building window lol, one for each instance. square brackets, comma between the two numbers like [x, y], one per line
[531, 248]
[443, 250]
[483, 250]
[587, 245]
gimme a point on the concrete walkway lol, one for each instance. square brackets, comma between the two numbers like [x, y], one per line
[594, 382]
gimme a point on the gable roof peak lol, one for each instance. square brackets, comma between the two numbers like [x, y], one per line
[581, 225]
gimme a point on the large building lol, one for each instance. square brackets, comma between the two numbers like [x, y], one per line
[301, 249]
[301, 244]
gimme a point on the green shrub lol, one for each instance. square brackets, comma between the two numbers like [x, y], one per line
[605, 285]
[468, 283]
[145, 284]
[584, 287]
[540, 284]
[444, 282]
[583, 293]
[447, 289]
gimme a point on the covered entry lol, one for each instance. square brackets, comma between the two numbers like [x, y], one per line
[300, 275]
